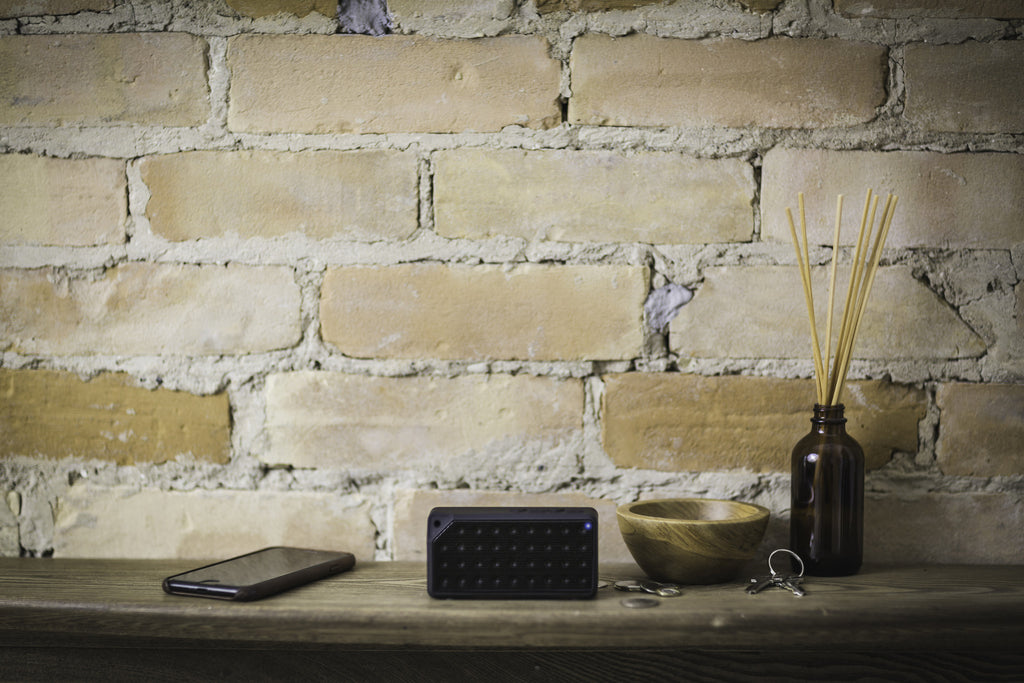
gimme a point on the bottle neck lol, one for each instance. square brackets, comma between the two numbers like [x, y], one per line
[828, 418]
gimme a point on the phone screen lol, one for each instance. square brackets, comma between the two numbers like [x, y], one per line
[260, 573]
[257, 567]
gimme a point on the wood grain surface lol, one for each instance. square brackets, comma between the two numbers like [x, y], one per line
[385, 604]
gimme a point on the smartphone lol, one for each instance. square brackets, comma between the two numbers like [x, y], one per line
[259, 574]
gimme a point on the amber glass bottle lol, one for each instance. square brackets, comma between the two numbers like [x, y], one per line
[827, 516]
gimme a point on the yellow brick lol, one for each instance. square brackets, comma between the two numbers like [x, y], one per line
[364, 84]
[121, 522]
[355, 195]
[530, 312]
[10, 532]
[546, 6]
[143, 308]
[945, 200]
[96, 79]
[1016, 339]
[56, 415]
[641, 80]
[62, 202]
[323, 419]
[943, 528]
[578, 196]
[981, 429]
[677, 422]
[918, 9]
[760, 312]
[30, 8]
[972, 87]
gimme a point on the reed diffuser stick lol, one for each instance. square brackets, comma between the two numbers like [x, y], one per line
[850, 288]
[861, 264]
[830, 372]
[819, 366]
[832, 287]
[887, 214]
[809, 299]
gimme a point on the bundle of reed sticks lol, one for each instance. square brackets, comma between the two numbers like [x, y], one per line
[831, 367]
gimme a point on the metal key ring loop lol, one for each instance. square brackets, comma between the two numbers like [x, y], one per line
[792, 554]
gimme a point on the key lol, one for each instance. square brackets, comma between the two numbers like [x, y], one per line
[789, 582]
[786, 581]
[784, 578]
[792, 583]
[758, 584]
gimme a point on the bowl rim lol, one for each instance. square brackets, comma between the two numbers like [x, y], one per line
[757, 512]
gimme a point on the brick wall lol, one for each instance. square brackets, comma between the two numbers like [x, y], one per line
[263, 281]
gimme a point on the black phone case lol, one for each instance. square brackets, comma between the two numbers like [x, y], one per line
[495, 552]
[332, 563]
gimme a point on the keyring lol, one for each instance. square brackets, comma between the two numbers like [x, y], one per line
[792, 554]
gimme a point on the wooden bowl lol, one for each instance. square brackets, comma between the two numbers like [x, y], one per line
[692, 540]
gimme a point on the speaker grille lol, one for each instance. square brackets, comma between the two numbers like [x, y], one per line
[512, 552]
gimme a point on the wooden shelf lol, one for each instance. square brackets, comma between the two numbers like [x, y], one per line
[110, 605]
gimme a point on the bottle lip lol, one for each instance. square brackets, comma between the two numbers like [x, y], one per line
[828, 414]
